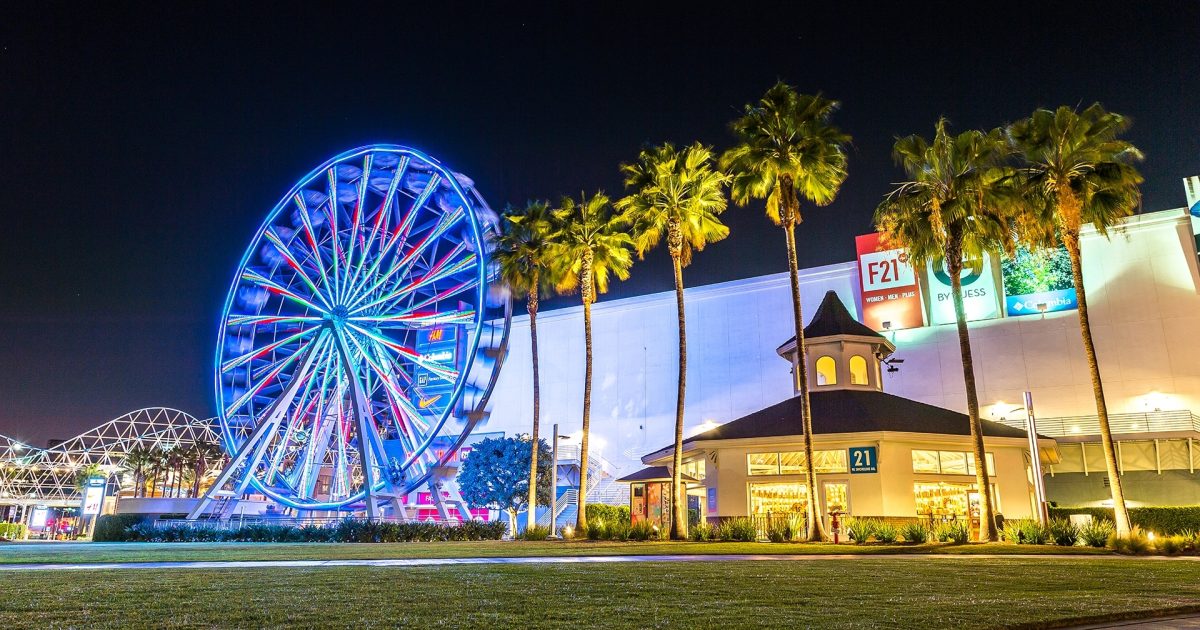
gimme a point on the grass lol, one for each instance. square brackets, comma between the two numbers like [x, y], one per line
[166, 552]
[867, 592]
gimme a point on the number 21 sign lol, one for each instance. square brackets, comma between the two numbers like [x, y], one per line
[864, 459]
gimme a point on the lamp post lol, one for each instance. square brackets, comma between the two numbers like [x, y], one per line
[1035, 462]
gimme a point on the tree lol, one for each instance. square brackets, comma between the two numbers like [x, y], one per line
[593, 243]
[787, 149]
[526, 265]
[676, 193]
[1077, 170]
[87, 472]
[138, 460]
[493, 476]
[203, 458]
[957, 204]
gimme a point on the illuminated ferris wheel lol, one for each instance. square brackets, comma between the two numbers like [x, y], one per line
[360, 338]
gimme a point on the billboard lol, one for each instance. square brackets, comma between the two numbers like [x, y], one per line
[891, 299]
[981, 300]
[1038, 282]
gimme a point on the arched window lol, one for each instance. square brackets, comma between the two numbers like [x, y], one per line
[858, 370]
[826, 371]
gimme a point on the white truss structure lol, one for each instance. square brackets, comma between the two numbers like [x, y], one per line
[46, 476]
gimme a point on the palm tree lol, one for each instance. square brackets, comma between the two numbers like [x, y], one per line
[136, 461]
[87, 472]
[789, 149]
[677, 193]
[203, 457]
[1078, 171]
[593, 243]
[956, 204]
[522, 252]
[158, 461]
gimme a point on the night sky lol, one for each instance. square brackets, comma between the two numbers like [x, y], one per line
[140, 146]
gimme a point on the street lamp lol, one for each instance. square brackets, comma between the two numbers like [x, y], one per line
[554, 478]
[1035, 463]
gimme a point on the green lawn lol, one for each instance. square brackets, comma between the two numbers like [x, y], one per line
[830, 593]
[161, 552]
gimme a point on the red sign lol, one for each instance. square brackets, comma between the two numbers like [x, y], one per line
[891, 298]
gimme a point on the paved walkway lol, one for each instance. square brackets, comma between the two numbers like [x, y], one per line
[426, 562]
[1180, 622]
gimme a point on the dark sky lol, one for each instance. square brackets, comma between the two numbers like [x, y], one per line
[141, 145]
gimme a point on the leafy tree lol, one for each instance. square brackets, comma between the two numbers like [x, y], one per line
[1077, 170]
[677, 194]
[493, 476]
[594, 244]
[527, 266]
[787, 149]
[957, 204]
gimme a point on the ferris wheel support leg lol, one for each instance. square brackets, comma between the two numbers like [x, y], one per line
[252, 450]
[435, 492]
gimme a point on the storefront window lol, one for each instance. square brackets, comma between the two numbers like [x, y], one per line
[693, 468]
[836, 498]
[764, 463]
[949, 462]
[778, 498]
[792, 463]
[941, 500]
[830, 461]
[925, 462]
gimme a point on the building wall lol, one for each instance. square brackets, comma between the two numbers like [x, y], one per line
[1142, 286]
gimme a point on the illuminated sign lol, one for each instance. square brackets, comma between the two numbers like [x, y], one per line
[980, 298]
[864, 459]
[38, 518]
[891, 298]
[1038, 282]
[92, 500]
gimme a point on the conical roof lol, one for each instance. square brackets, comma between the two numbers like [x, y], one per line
[833, 319]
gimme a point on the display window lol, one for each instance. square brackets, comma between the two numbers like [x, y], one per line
[776, 498]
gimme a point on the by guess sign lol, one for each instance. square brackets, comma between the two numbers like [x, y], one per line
[889, 286]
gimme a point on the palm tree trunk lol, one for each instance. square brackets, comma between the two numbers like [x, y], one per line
[1120, 514]
[815, 529]
[531, 513]
[679, 523]
[986, 519]
[587, 291]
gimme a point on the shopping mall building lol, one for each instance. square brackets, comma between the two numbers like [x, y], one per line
[1143, 287]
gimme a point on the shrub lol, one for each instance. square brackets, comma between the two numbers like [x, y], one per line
[537, 532]
[861, 529]
[957, 533]
[597, 530]
[701, 532]
[348, 530]
[1096, 533]
[13, 531]
[642, 530]
[1011, 532]
[1063, 532]
[915, 533]
[1162, 520]
[115, 527]
[779, 531]
[1172, 545]
[1135, 543]
[885, 532]
[739, 529]
[1034, 533]
[1191, 541]
[607, 513]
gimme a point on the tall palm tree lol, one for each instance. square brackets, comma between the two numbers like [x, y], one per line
[204, 458]
[158, 461]
[1079, 171]
[527, 266]
[137, 460]
[956, 204]
[787, 149]
[593, 243]
[676, 193]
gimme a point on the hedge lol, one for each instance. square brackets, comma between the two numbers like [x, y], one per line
[114, 527]
[136, 528]
[1161, 520]
[13, 531]
[607, 513]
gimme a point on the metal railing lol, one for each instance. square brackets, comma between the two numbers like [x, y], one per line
[1119, 423]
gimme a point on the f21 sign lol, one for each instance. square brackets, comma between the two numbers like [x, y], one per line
[891, 298]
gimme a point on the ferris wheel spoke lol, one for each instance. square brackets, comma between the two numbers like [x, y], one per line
[316, 406]
[274, 287]
[441, 370]
[296, 267]
[304, 406]
[264, 320]
[385, 210]
[417, 320]
[332, 207]
[356, 218]
[306, 220]
[437, 297]
[403, 264]
[256, 353]
[269, 378]
[442, 269]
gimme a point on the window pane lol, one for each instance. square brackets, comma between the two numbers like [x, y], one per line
[764, 463]
[858, 370]
[792, 463]
[826, 371]
[777, 498]
[991, 461]
[925, 461]
[830, 461]
[953, 462]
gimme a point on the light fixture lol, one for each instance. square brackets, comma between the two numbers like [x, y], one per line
[887, 325]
